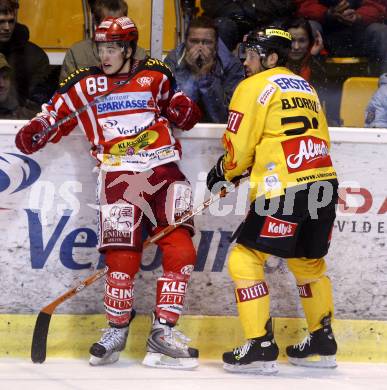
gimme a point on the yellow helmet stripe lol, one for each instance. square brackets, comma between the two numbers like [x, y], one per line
[279, 33]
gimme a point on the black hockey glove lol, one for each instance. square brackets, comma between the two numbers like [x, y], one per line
[216, 175]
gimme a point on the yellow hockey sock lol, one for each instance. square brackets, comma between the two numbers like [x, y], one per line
[317, 301]
[253, 304]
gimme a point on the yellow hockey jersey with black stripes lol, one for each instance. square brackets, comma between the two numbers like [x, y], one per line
[277, 129]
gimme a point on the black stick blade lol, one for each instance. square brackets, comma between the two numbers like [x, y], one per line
[39, 338]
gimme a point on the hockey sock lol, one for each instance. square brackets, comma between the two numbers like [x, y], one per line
[317, 301]
[170, 295]
[119, 285]
[245, 266]
[118, 300]
[253, 304]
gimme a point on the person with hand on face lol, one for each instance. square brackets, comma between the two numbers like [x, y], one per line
[278, 131]
[201, 51]
[132, 105]
[206, 70]
[305, 58]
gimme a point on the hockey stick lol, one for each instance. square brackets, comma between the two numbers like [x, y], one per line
[39, 338]
[36, 137]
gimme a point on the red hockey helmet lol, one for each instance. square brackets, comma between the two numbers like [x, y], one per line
[120, 29]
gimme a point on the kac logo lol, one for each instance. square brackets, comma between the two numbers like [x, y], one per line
[13, 174]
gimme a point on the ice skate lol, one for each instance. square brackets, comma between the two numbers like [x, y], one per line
[318, 349]
[113, 341]
[167, 348]
[256, 356]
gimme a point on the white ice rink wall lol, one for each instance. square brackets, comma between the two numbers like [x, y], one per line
[48, 229]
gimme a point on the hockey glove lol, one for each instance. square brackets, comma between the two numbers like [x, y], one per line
[37, 127]
[183, 112]
[216, 175]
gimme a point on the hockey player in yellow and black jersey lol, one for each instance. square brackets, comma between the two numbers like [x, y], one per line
[277, 130]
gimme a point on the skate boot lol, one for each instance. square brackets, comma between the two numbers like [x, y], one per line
[113, 341]
[256, 356]
[167, 348]
[318, 349]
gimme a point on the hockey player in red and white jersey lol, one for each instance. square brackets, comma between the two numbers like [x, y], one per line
[139, 185]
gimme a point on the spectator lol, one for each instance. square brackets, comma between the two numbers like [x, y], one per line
[10, 107]
[206, 70]
[376, 111]
[235, 18]
[304, 57]
[84, 54]
[350, 28]
[301, 60]
[28, 61]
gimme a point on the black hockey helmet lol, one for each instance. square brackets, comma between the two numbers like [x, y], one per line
[268, 40]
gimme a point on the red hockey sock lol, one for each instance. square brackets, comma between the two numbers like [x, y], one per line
[171, 289]
[119, 285]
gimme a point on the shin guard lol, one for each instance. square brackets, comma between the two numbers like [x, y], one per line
[170, 295]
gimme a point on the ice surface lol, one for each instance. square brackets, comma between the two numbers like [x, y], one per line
[69, 374]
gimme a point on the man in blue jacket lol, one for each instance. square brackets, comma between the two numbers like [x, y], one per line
[206, 70]
[376, 111]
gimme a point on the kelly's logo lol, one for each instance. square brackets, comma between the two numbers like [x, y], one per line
[277, 228]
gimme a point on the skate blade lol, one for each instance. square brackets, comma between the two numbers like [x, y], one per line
[261, 368]
[315, 361]
[97, 361]
[160, 360]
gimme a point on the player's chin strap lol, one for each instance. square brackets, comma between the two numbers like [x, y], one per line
[263, 65]
[121, 67]
[124, 62]
[264, 59]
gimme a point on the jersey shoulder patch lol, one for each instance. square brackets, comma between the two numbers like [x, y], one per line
[76, 76]
[266, 94]
[158, 66]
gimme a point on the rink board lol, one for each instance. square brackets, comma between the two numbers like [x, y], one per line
[48, 235]
[71, 336]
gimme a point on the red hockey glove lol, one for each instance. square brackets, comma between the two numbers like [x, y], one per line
[25, 137]
[183, 112]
